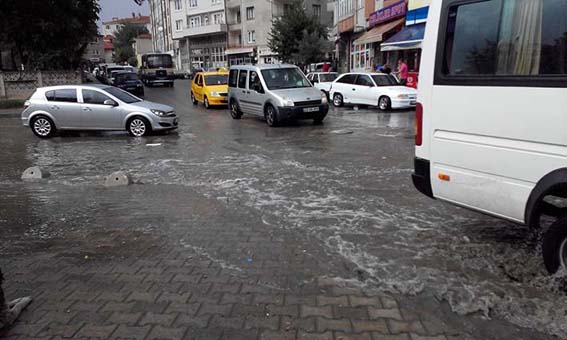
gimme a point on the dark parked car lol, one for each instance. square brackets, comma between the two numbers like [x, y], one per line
[130, 82]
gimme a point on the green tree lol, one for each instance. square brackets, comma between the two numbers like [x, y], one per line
[48, 34]
[123, 40]
[297, 37]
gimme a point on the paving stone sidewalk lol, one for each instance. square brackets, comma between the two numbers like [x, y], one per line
[206, 272]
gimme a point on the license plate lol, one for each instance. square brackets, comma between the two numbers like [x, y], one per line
[311, 109]
[413, 102]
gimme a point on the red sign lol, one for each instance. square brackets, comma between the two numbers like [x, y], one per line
[412, 79]
[394, 11]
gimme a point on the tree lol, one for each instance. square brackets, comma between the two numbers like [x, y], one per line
[298, 38]
[124, 39]
[48, 34]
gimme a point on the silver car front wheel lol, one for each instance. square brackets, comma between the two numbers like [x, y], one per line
[138, 127]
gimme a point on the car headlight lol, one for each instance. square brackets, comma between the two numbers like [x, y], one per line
[324, 98]
[215, 94]
[403, 96]
[158, 112]
[287, 102]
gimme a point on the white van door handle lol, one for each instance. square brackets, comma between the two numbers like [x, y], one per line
[354, 89]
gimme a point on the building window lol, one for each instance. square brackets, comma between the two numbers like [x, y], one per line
[107, 27]
[193, 3]
[178, 25]
[177, 5]
[218, 19]
[238, 17]
[251, 37]
[317, 10]
[206, 20]
[195, 21]
[249, 13]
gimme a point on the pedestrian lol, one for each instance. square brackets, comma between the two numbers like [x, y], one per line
[326, 67]
[402, 72]
[386, 69]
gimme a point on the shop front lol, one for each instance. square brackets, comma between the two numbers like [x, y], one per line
[382, 24]
[240, 55]
[406, 44]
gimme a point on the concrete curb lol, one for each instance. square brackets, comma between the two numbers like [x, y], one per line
[9, 113]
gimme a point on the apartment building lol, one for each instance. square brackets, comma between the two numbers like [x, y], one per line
[160, 17]
[110, 27]
[250, 22]
[200, 28]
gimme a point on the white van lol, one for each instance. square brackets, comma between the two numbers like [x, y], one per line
[492, 114]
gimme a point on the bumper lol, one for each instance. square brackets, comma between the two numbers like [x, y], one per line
[218, 100]
[421, 177]
[25, 121]
[165, 123]
[403, 103]
[156, 79]
[296, 113]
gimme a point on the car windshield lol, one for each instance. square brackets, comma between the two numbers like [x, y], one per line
[126, 76]
[284, 78]
[122, 95]
[157, 61]
[328, 77]
[385, 80]
[217, 79]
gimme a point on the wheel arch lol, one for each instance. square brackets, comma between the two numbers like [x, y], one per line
[554, 183]
[42, 113]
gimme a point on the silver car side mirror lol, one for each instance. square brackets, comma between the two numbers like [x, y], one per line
[110, 102]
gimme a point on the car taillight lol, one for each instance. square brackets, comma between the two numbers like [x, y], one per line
[418, 124]
[27, 104]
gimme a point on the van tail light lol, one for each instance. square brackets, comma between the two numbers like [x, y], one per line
[418, 124]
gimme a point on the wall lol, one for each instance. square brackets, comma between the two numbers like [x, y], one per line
[21, 85]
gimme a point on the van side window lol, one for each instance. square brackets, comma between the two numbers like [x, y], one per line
[233, 78]
[347, 79]
[506, 38]
[242, 79]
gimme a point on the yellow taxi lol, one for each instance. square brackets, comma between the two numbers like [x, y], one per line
[210, 88]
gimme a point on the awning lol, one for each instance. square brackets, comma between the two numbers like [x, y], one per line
[408, 38]
[239, 50]
[375, 34]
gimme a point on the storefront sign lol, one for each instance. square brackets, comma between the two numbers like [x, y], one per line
[388, 13]
[417, 12]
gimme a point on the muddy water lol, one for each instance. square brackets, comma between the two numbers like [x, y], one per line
[351, 191]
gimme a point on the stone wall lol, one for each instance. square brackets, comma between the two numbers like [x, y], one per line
[21, 85]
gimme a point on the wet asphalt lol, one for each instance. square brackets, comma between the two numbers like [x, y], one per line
[343, 187]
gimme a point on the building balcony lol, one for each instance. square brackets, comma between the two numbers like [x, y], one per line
[237, 26]
[200, 30]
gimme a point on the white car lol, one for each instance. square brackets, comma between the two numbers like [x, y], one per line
[322, 80]
[376, 89]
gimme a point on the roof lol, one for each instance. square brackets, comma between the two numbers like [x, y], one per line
[376, 33]
[57, 87]
[213, 73]
[141, 19]
[262, 66]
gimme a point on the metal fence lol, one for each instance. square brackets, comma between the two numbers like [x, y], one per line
[21, 85]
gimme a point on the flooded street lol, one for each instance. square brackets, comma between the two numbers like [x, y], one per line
[339, 194]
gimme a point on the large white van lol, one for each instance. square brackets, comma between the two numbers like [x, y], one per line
[492, 114]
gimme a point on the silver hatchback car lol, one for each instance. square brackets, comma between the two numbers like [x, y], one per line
[94, 107]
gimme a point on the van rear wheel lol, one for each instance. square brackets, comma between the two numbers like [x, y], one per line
[554, 247]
